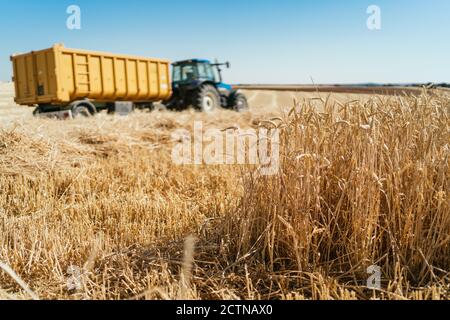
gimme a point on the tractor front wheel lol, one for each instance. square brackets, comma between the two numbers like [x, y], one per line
[238, 102]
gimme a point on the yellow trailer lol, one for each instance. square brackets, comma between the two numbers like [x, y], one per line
[62, 77]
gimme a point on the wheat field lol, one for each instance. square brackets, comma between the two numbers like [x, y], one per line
[364, 180]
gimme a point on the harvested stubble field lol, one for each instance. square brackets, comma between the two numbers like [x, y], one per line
[364, 180]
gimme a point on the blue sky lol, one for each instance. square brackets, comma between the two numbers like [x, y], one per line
[266, 41]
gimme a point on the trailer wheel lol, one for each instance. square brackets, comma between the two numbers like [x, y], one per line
[83, 108]
[206, 99]
[37, 111]
[81, 111]
[238, 102]
[159, 107]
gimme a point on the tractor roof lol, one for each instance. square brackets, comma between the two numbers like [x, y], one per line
[191, 61]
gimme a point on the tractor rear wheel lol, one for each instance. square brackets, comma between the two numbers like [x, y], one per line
[206, 99]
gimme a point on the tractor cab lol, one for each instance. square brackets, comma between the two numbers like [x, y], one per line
[194, 71]
[198, 83]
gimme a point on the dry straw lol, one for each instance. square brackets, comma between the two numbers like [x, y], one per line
[363, 182]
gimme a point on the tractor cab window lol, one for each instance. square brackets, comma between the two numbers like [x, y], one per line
[194, 71]
[184, 73]
[205, 71]
[176, 77]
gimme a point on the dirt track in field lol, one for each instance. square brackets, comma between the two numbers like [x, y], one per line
[349, 89]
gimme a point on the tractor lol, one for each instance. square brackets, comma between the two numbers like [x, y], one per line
[198, 83]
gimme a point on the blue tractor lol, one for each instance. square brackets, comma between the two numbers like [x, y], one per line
[198, 83]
